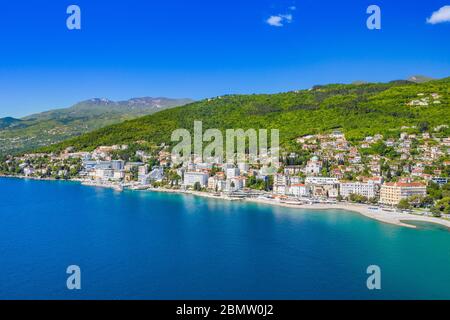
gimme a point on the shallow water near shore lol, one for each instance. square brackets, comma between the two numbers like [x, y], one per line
[153, 245]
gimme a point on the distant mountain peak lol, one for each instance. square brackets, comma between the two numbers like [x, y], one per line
[420, 78]
[378, 108]
[56, 125]
[8, 122]
[9, 119]
[360, 82]
[100, 101]
[158, 102]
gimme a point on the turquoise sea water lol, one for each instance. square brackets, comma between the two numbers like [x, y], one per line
[167, 246]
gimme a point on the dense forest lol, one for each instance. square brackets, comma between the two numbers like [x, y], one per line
[356, 109]
[43, 129]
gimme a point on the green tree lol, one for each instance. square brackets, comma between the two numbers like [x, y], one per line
[404, 204]
[424, 126]
[197, 186]
[357, 198]
[436, 212]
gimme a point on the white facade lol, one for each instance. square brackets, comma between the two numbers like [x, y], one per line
[243, 167]
[298, 190]
[142, 170]
[117, 164]
[118, 174]
[215, 183]
[190, 178]
[280, 184]
[368, 190]
[232, 172]
[104, 173]
[321, 180]
[235, 184]
[157, 174]
[28, 171]
[212, 183]
[313, 167]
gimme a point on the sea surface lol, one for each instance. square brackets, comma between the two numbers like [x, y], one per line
[149, 245]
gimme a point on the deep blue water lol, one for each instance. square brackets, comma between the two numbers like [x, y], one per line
[168, 246]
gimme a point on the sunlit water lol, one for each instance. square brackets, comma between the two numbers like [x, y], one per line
[167, 246]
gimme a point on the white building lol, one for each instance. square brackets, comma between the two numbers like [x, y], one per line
[118, 174]
[221, 185]
[235, 184]
[298, 190]
[104, 174]
[190, 178]
[117, 164]
[294, 180]
[280, 184]
[157, 174]
[243, 167]
[313, 167]
[321, 180]
[322, 187]
[28, 171]
[232, 172]
[368, 190]
[143, 170]
[212, 183]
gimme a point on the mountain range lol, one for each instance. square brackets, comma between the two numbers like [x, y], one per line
[42, 129]
[356, 109]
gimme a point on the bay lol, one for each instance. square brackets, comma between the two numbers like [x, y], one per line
[149, 245]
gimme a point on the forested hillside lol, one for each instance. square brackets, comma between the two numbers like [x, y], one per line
[43, 129]
[357, 109]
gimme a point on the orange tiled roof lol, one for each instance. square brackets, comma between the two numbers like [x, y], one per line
[405, 184]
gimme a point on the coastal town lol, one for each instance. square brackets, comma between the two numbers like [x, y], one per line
[409, 173]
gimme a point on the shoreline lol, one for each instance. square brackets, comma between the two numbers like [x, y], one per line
[40, 179]
[394, 218]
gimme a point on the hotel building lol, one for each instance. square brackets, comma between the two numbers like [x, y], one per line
[392, 193]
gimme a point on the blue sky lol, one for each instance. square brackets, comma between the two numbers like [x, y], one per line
[198, 49]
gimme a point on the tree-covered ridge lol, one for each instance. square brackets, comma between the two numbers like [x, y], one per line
[357, 109]
[43, 129]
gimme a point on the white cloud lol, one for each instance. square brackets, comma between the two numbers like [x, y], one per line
[275, 21]
[287, 17]
[279, 20]
[442, 15]
[293, 8]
